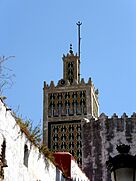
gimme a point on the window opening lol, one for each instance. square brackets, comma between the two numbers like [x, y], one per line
[26, 155]
[2, 159]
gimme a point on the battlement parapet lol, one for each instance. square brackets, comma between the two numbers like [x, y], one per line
[70, 55]
[112, 126]
[65, 83]
[103, 116]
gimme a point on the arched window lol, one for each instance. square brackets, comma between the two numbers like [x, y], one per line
[26, 155]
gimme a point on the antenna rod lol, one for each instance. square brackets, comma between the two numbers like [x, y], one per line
[79, 38]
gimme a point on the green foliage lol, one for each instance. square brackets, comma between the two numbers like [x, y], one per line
[34, 135]
[44, 149]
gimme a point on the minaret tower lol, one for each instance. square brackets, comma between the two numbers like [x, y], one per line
[65, 105]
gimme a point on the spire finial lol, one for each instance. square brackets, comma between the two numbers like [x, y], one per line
[79, 38]
[71, 51]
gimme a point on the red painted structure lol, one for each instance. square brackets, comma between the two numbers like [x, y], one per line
[63, 162]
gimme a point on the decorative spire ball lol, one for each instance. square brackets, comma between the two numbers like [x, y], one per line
[71, 51]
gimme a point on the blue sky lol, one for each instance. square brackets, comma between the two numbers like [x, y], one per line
[38, 33]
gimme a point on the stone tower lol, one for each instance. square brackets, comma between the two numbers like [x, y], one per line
[64, 107]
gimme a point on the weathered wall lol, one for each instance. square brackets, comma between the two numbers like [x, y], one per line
[12, 150]
[76, 173]
[39, 168]
[100, 138]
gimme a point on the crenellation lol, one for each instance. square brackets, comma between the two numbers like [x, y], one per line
[82, 81]
[89, 81]
[97, 93]
[52, 85]
[67, 83]
[75, 82]
[115, 116]
[63, 57]
[124, 116]
[103, 116]
[68, 55]
[133, 115]
[45, 85]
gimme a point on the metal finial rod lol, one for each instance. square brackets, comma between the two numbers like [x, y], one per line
[79, 38]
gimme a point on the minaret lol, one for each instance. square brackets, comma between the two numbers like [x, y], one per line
[65, 105]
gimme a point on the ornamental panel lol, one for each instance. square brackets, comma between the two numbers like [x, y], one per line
[67, 104]
[66, 136]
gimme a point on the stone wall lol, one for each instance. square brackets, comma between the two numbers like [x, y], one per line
[100, 138]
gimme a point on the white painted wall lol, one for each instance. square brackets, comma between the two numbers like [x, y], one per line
[76, 173]
[39, 168]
